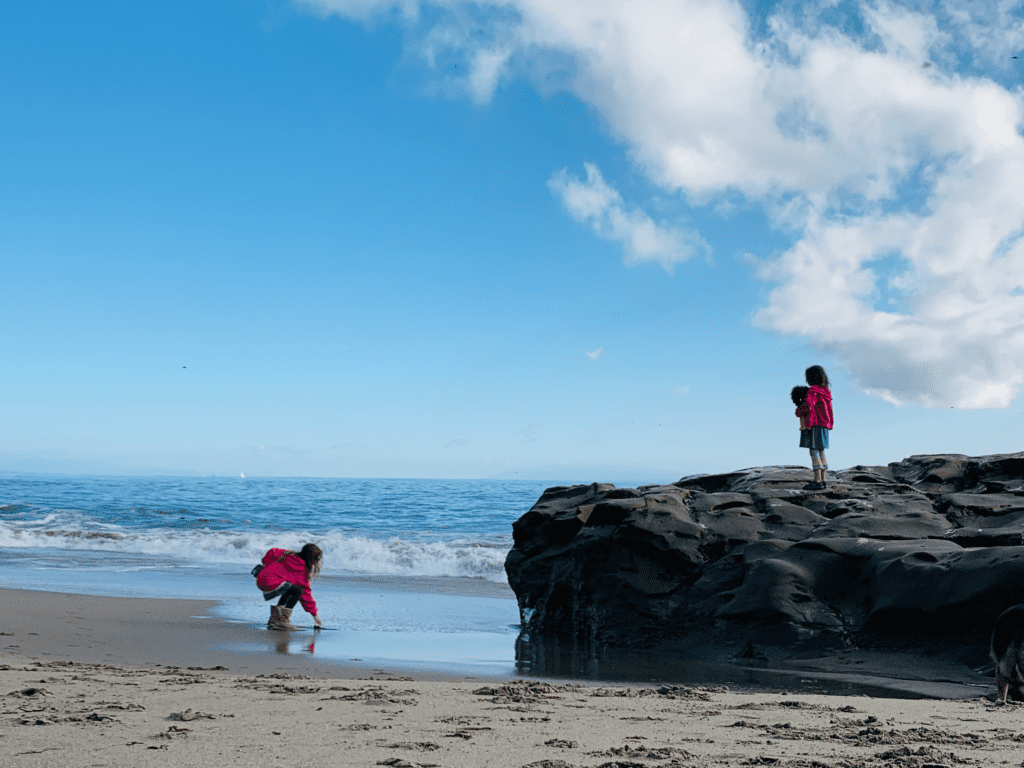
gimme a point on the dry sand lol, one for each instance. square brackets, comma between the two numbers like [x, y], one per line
[106, 682]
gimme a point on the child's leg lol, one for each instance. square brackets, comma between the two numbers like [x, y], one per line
[822, 466]
[290, 597]
[280, 589]
[816, 462]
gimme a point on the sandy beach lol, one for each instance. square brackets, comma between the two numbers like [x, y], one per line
[99, 681]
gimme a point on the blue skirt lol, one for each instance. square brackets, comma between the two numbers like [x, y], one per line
[815, 438]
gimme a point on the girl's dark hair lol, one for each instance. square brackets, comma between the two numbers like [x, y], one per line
[313, 556]
[799, 394]
[816, 376]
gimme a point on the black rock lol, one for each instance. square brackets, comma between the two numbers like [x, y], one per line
[929, 541]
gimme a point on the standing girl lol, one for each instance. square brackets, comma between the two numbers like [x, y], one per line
[819, 422]
[287, 573]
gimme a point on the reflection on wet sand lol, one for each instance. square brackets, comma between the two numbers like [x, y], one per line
[884, 677]
[287, 643]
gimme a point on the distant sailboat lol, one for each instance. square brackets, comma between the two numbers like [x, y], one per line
[243, 474]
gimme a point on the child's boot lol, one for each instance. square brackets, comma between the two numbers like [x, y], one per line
[275, 618]
[286, 618]
[813, 485]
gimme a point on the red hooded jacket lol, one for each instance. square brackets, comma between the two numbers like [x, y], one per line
[819, 405]
[282, 565]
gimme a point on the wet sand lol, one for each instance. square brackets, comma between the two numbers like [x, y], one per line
[88, 681]
[139, 632]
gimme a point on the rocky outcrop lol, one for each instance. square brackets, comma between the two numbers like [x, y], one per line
[928, 541]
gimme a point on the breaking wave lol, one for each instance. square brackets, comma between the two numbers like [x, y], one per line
[343, 552]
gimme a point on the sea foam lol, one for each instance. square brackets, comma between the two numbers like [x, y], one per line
[343, 552]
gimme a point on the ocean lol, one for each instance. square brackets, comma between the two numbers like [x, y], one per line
[413, 570]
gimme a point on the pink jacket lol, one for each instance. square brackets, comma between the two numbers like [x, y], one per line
[280, 565]
[819, 402]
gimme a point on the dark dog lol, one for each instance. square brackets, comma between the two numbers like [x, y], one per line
[1008, 653]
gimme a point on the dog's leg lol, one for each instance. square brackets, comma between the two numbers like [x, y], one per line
[1002, 686]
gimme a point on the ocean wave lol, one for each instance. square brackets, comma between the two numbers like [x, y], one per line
[343, 551]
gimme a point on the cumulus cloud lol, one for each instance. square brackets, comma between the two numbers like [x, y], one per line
[994, 29]
[594, 354]
[595, 202]
[899, 182]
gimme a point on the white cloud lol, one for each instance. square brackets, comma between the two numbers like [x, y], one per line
[680, 390]
[363, 10]
[906, 34]
[595, 202]
[994, 29]
[902, 183]
[593, 355]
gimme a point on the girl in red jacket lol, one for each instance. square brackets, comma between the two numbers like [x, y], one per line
[819, 420]
[287, 573]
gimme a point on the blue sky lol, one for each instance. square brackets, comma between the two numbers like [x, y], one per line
[560, 240]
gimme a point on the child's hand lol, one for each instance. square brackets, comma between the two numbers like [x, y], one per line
[316, 620]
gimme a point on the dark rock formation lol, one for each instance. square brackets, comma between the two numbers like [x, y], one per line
[930, 541]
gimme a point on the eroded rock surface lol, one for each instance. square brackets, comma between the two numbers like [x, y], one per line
[927, 540]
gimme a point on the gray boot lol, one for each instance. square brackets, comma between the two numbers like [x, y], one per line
[286, 616]
[275, 618]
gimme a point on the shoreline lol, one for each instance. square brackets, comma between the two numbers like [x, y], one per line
[146, 632]
[44, 626]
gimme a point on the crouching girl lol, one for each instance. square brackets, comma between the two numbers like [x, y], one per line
[287, 574]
